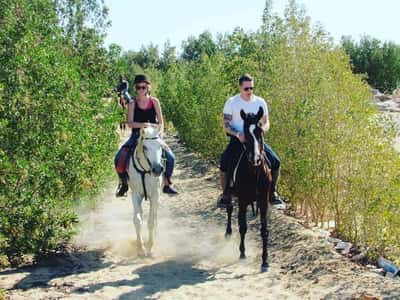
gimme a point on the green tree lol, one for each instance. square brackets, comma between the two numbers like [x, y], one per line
[380, 62]
[194, 48]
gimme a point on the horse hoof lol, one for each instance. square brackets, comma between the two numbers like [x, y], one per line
[242, 256]
[141, 253]
[264, 268]
[228, 235]
[149, 248]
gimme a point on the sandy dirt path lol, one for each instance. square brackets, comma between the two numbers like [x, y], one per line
[191, 259]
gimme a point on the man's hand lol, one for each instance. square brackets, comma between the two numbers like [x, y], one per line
[241, 138]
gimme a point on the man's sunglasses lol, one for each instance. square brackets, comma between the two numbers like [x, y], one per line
[248, 88]
[140, 87]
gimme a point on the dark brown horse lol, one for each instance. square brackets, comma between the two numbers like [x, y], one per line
[252, 179]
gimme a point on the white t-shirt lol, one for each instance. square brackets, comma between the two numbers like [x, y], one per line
[236, 103]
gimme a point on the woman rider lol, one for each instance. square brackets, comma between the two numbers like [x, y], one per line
[143, 111]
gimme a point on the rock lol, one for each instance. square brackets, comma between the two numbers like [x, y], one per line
[334, 240]
[344, 247]
[376, 92]
[383, 97]
[388, 266]
[365, 296]
[359, 257]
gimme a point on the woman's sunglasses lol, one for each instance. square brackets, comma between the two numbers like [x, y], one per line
[140, 87]
[248, 88]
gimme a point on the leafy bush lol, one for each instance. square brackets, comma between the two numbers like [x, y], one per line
[57, 133]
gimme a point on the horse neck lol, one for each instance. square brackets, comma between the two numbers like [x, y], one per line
[140, 155]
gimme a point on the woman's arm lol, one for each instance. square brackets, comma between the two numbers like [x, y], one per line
[160, 118]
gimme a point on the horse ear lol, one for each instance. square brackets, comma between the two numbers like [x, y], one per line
[260, 113]
[242, 114]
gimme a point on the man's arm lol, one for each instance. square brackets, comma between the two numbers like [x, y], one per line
[230, 130]
[227, 125]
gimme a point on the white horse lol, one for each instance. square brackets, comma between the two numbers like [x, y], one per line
[145, 171]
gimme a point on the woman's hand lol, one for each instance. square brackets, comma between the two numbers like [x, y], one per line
[147, 124]
[166, 147]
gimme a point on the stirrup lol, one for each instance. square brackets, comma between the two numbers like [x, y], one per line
[277, 202]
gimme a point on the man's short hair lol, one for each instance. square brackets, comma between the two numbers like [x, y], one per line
[245, 77]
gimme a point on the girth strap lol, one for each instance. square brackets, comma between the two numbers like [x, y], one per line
[233, 179]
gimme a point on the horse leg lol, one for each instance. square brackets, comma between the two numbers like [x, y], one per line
[137, 220]
[242, 227]
[264, 234]
[229, 209]
[152, 222]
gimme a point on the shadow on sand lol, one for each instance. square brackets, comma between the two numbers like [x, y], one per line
[57, 266]
[159, 277]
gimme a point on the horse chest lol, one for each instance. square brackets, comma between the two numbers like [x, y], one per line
[153, 184]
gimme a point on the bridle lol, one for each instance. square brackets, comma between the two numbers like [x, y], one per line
[264, 163]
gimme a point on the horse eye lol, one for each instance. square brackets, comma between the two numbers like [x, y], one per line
[144, 148]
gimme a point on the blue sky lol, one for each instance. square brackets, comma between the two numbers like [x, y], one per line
[136, 23]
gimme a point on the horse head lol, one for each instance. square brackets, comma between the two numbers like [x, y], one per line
[149, 149]
[254, 136]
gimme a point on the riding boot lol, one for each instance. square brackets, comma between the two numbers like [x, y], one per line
[123, 184]
[168, 189]
[276, 199]
[223, 199]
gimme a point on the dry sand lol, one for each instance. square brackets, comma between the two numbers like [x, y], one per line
[191, 259]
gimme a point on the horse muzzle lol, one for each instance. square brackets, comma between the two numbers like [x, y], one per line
[257, 161]
[157, 169]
